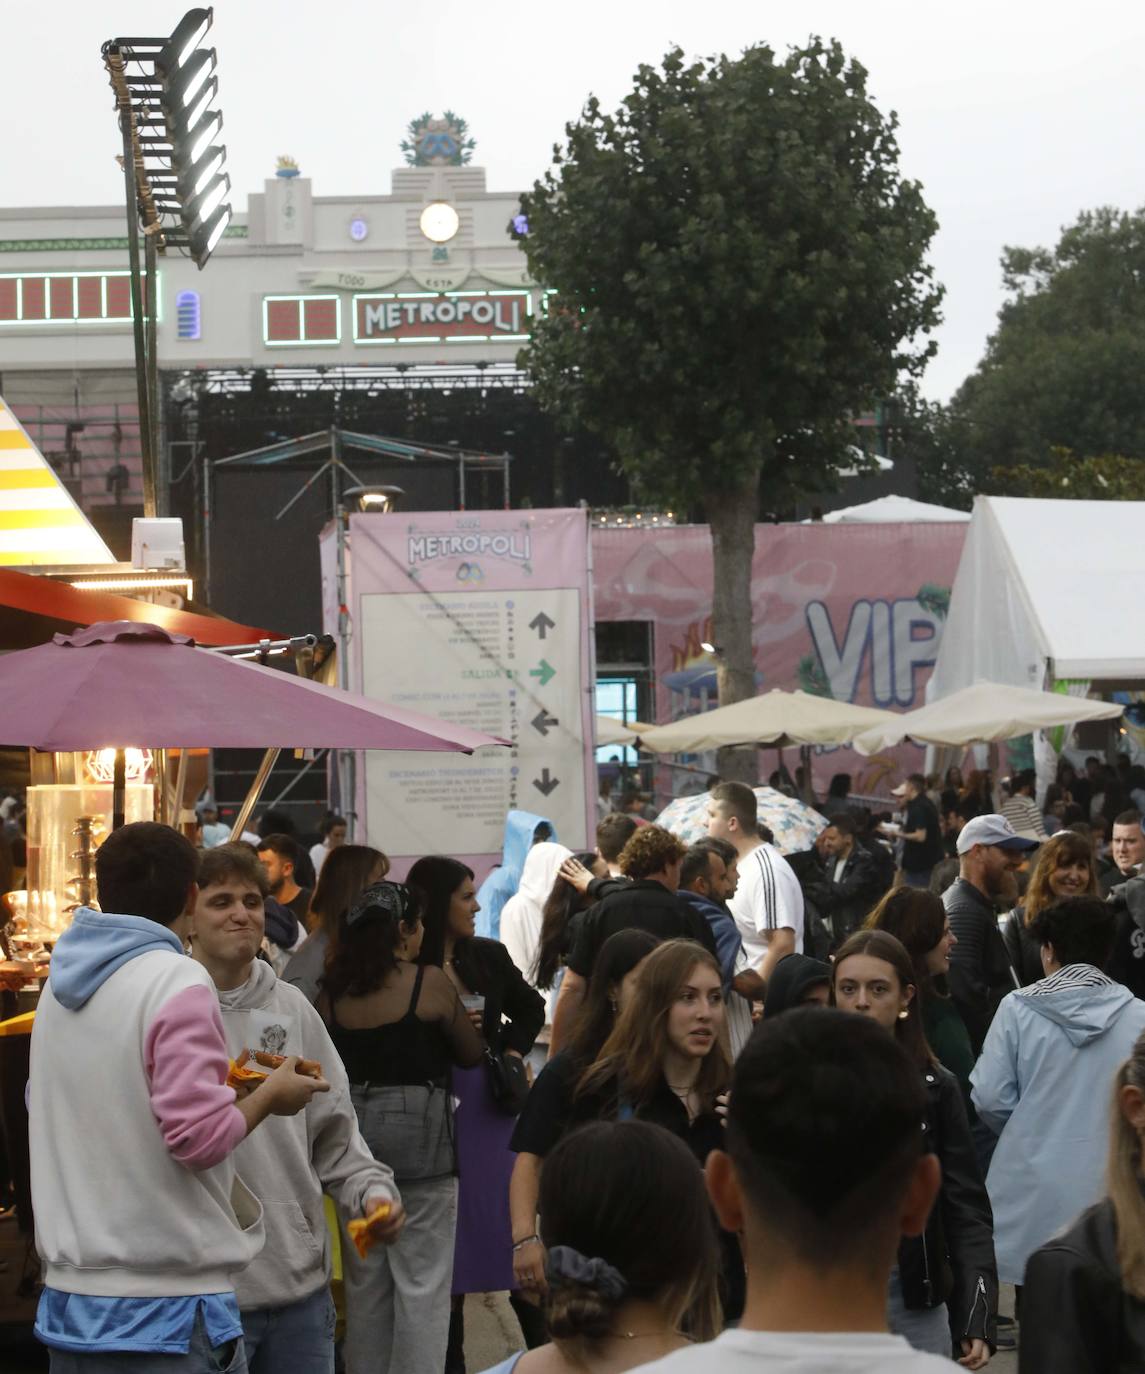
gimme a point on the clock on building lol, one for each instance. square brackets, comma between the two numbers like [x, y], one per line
[439, 222]
[358, 228]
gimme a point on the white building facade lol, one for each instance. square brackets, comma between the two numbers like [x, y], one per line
[426, 278]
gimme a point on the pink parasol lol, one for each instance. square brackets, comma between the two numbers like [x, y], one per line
[121, 684]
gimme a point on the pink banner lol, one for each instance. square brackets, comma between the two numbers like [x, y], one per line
[852, 611]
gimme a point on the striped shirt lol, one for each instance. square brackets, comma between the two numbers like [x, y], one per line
[1072, 976]
[767, 898]
[1025, 815]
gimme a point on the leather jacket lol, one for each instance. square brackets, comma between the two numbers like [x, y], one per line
[847, 902]
[953, 1260]
[1076, 1316]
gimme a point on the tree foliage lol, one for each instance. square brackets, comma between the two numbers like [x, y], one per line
[736, 258]
[1063, 369]
[1108, 477]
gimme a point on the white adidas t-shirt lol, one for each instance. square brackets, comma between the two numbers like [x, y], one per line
[767, 897]
[801, 1352]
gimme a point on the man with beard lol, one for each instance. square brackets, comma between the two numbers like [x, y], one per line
[989, 853]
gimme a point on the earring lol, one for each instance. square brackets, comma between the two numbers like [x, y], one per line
[903, 1014]
[614, 1005]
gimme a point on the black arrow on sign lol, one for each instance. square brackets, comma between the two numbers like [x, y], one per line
[543, 721]
[544, 784]
[541, 623]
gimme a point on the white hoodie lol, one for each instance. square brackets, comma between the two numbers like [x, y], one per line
[523, 914]
[289, 1161]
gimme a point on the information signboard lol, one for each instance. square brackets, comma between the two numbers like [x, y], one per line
[480, 618]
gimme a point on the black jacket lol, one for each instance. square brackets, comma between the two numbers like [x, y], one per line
[1127, 962]
[484, 966]
[1076, 1317]
[979, 967]
[848, 901]
[1024, 952]
[953, 1260]
[642, 905]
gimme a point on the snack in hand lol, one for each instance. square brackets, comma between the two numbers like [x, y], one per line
[242, 1074]
[363, 1230]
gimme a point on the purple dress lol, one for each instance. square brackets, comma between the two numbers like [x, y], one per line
[483, 1254]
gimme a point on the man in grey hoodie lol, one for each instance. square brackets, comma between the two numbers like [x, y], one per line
[283, 1295]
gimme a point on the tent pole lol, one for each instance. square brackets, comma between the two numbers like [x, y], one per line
[269, 759]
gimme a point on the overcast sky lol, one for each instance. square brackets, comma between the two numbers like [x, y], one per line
[1014, 115]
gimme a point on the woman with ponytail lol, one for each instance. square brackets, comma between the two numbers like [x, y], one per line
[632, 1258]
[1083, 1303]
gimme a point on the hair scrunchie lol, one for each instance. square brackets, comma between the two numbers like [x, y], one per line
[570, 1266]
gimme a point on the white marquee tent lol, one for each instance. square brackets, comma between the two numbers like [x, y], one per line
[895, 510]
[1046, 591]
[1046, 596]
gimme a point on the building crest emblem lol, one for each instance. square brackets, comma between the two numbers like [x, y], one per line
[433, 142]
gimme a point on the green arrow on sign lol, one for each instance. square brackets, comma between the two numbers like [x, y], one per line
[544, 671]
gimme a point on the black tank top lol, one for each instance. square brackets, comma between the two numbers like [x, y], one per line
[401, 1053]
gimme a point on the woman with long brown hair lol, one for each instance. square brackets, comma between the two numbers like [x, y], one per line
[1083, 1303]
[946, 1280]
[666, 1062]
[350, 869]
[1065, 868]
[919, 920]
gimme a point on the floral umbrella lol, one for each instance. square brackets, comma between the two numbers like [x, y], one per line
[793, 823]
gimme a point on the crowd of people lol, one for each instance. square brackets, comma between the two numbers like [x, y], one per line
[690, 1107]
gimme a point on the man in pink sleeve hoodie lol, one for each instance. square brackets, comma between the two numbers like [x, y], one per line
[141, 1221]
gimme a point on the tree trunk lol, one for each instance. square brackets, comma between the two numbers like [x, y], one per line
[731, 518]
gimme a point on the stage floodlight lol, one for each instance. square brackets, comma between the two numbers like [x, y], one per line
[195, 143]
[203, 206]
[205, 235]
[197, 177]
[180, 89]
[181, 45]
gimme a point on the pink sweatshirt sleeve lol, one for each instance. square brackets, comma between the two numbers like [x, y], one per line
[186, 1057]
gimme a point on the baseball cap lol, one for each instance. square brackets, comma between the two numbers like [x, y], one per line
[993, 830]
[899, 791]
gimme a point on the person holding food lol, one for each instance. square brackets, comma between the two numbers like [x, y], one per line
[141, 1220]
[399, 1029]
[284, 1294]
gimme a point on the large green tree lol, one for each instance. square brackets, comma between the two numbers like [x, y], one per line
[1063, 369]
[738, 265]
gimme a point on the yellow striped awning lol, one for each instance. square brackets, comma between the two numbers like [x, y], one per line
[40, 523]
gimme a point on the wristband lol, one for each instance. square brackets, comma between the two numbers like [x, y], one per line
[520, 1244]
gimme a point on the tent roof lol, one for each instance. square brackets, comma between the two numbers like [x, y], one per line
[1046, 587]
[894, 510]
[40, 523]
[33, 608]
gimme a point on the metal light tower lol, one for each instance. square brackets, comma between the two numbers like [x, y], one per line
[176, 189]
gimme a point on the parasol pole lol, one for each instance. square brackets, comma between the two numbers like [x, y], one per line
[269, 759]
[119, 790]
[162, 792]
[180, 785]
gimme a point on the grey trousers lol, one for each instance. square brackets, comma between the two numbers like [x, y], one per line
[397, 1298]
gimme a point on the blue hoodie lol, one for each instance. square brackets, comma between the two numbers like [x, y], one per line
[94, 946]
[502, 883]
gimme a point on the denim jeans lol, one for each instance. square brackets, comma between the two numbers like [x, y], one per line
[926, 1329]
[397, 1298]
[201, 1358]
[298, 1337]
